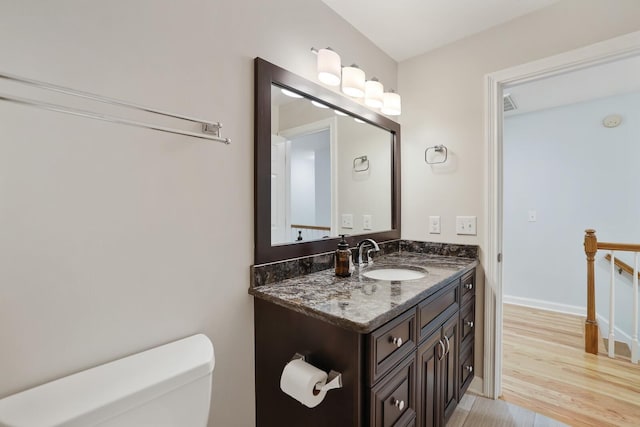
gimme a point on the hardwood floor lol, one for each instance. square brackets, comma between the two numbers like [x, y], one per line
[546, 370]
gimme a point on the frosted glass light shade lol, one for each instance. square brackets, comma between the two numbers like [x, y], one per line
[391, 105]
[373, 93]
[353, 81]
[329, 67]
[318, 104]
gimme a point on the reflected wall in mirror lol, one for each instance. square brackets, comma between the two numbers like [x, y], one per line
[322, 161]
[323, 166]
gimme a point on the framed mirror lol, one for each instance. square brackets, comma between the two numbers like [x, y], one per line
[324, 166]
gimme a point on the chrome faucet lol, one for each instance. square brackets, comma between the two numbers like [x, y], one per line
[361, 257]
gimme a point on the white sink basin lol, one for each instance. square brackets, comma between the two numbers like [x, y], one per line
[394, 274]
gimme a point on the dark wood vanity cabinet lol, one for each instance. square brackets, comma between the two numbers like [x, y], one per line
[411, 371]
[467, 331]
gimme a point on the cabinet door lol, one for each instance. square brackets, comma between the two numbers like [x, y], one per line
[429, 356]
[450, 384]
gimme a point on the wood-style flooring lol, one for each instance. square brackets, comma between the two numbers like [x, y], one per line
[546, 370]
[476, 411]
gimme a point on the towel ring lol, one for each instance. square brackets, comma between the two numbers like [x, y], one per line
[438, 149]
[362, 160]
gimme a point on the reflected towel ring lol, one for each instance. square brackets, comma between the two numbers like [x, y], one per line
[438, 149]
[363, 162]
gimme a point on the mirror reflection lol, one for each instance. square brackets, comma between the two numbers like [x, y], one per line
[331, 173]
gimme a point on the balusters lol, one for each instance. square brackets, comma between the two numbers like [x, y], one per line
[634, 340]
[612, 307]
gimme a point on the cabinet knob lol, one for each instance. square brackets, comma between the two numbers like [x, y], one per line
[469, 368]
[468, 286]
[446, 338]
[397, 341]
[398, 404]
[469, 323]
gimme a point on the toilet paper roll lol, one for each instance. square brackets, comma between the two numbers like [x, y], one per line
[299, 381]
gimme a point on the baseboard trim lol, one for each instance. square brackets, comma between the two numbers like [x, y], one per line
[621, 336]
[477, 386]
[545, 305]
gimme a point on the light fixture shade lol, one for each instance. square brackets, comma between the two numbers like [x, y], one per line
[290, 94]
[329, 67]
[373, 93]
[318, 104]
[391, 105]
[353, 81]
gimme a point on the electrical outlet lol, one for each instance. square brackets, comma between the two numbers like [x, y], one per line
[347, 220]
[533, 217]
[367, 222]
[434, 225]
[466, 225]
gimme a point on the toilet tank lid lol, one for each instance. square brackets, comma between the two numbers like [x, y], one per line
[90, 396]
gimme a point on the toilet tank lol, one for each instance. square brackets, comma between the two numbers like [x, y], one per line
[167, 386]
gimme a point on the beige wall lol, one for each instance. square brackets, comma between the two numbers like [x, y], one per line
[116, 239]
[443, 100]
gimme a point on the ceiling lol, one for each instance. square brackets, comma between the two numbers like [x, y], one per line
[406, 28]
[613, 78]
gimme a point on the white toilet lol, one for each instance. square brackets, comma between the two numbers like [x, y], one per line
[167, 386]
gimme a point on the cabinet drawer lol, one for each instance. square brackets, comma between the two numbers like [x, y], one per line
[467, 323]
[433, 312]
[468, 286]
[467, 368]
[390, 343]
[393, 399]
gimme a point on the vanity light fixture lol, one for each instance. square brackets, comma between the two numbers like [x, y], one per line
[357, 120]
[392, 104]
[329, 67]
[290, 93]
[353, 81]
[373, 93]
[340, 113]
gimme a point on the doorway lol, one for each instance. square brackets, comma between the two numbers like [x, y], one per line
[597, 54]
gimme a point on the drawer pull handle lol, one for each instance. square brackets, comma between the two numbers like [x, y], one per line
[398, 404]
[469, 368]
[397, 341]
[469, 323]
[441, 354]
[448, 344]
[468, 286]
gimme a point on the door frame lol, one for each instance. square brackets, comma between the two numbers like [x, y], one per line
[595, 54]
[332, 125]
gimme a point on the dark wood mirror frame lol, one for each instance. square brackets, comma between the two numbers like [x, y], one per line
[267, 74]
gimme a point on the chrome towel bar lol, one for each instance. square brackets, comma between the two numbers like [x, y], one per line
[210, 130]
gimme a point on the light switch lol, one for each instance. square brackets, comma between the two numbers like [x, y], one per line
[466, 225]
[434, 225]
[367, 222]
[347, 220]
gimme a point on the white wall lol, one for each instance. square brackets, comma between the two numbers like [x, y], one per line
[576, 174]
[443, 102]
[115, 239]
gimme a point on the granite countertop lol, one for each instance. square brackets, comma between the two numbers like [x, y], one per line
[361, 304]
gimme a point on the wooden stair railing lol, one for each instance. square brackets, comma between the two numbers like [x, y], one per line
[591, 246]
[622, 266]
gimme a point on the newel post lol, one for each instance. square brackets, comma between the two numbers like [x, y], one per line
[591, 324]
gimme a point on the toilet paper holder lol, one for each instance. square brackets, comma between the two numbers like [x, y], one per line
[334, 379]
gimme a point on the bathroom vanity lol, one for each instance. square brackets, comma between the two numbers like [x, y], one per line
[404, 347]
[402, 340]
